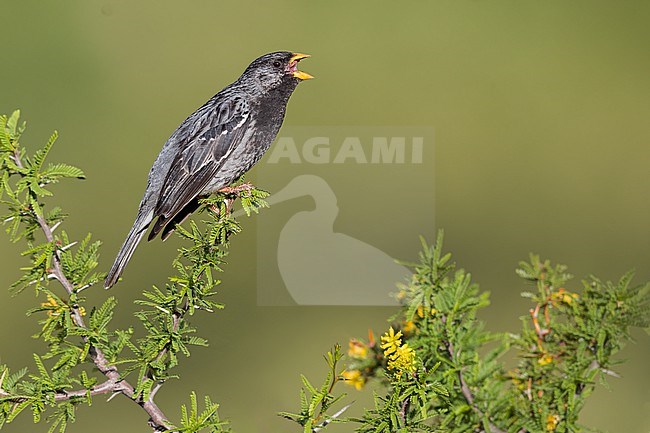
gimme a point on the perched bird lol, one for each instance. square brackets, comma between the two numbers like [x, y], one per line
[213, 147]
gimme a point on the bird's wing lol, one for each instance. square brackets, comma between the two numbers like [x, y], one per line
[212, 134]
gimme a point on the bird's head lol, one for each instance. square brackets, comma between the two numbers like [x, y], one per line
[276, 69]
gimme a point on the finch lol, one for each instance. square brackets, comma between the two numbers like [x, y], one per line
[213, 147]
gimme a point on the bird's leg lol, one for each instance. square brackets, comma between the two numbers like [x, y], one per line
[217, 212]
[237, 190]
[214, 209]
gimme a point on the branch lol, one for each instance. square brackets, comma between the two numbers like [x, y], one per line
[176, 323]
[541, 332]
[115, 383]
[404, 409]
[464, 387]
[322, 425]
[593, 366]
[103, 388]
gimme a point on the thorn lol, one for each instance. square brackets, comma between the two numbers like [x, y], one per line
[155, 389]
[2, 379]
[213, 208]
[55, 226]
[48, 277]
[322, 425]
[610, 373]
[80, 289]
[52, 277]
[164, 310]
[70, 245]
[529, 390]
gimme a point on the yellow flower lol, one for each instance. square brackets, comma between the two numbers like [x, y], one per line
[518, 383]
[568, 298]
[51, 302]
[357, 349]
[420, 312]
[354, 378]
[53, 307]
[400, 356]
[564, 296]
[409, 326]
[403, 360]
[545, 359]
[552, 422]
[391, 341]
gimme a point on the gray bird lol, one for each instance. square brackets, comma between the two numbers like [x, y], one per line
[213, 147]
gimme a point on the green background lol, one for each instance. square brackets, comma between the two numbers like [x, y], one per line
[541, 112]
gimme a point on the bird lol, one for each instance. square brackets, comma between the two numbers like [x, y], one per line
[213, 147]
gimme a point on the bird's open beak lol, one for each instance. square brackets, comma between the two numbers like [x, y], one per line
[293, 66]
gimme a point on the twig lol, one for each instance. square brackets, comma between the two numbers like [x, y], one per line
[102, 388]
[322, 425]
[464, 387]
[115, 383]
[541, 332]
[176, 322]
[593, 366]
[404, 409]
[330, 389]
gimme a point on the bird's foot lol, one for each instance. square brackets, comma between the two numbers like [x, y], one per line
[232, 194]
[214, 209]
[217, 212]
[237, 190]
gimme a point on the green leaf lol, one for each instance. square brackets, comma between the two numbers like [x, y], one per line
[56, 171]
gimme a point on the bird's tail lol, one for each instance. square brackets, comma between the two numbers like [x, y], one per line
[124, 255]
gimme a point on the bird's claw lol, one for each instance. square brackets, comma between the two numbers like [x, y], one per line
[214, 209]
[237, 190]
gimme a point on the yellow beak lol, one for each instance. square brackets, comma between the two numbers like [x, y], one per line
[300, 74]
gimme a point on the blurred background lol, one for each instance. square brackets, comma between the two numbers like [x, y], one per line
[541, 116]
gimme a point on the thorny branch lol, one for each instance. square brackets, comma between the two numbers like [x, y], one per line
[115, 383]
[103, 388]
[464, 387]
[541, 332]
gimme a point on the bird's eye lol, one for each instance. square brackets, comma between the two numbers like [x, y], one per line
[277, 64]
